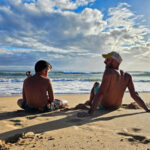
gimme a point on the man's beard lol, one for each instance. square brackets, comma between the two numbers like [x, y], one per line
[110, 66]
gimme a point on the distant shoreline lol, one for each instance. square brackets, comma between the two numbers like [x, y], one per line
[59, 94]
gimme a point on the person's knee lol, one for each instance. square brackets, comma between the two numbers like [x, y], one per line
[96, 84]
[96, 88]
[20, 102]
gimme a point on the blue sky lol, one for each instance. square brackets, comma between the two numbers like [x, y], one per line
[72, 34]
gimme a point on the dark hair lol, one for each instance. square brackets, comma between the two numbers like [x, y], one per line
[42, 64]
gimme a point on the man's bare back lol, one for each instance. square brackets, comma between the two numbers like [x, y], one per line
[113, 87]
[35, 91]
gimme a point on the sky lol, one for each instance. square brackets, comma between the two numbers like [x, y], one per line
[73, 34]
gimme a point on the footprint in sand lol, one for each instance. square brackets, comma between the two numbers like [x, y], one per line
[133, 105]
[136, 138]
[15, 123]
[31, 117]
[10, 125]
[130, 106]
[136, 129]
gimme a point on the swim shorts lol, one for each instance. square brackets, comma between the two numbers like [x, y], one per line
[49, 107]
[101, 107]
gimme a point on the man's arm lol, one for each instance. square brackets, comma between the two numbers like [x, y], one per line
[23, 93]
[50, 91]
[135, 95]
[102, 90]
[96, 101]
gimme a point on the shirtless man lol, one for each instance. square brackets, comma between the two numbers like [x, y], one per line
[37, 90]
[110, 93]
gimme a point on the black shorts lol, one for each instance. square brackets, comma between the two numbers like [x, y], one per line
[47, 108]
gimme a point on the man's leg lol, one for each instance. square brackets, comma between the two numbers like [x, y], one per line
[93, 93]
[90, 101]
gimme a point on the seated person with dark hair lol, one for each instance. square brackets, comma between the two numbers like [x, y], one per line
[38, 92]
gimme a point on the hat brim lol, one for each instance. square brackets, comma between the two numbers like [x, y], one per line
[109, 55]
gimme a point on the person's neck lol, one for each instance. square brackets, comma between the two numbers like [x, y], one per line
[38, 74]
[112, 67]
[116, 68]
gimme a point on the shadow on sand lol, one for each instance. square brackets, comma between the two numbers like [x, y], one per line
[71, 119]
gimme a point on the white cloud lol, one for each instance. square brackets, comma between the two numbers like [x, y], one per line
[93, 22]
[60, 33]
[56, 5]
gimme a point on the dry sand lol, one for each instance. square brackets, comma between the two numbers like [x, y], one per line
[123, 129]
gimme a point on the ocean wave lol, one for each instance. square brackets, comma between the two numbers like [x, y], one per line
[71, 72]
[141, 81]
[64, 80]
[22, 73]
[11, 80]
[89, 80]
[54, 80]
[8, 74]
[82, 80]
[53, 74]
[140, 73]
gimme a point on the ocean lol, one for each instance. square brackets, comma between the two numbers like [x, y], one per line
[11, 82]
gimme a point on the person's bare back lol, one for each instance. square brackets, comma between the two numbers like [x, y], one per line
[36, 89]
[113, 87]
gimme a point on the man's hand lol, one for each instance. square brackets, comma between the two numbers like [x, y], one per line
[28, 74]
[88, 103]
[148, 110]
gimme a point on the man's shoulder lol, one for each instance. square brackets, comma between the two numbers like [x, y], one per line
[110, 72]
[38, 78]
[27, 79]
[48, 79]
[45, 79]
[126, 74]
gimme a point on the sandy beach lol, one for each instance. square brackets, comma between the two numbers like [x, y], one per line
[122, 129]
